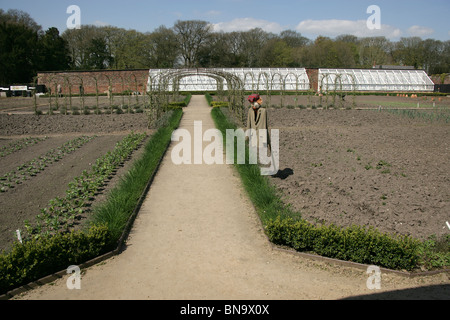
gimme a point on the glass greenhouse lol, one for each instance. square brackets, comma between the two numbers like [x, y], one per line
[373, 80]
[289, 79]
[272, 79]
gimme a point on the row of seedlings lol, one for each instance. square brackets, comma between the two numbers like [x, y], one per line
[19, 145]
[33, 167]
[62, 214]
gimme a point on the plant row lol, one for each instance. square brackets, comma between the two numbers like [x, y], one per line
[61, 213]
[121, 203]
[33, 167]
[432, 116]
[125, 109]
[19, 145]
[40, 256]
[358, 244]
[312, 93]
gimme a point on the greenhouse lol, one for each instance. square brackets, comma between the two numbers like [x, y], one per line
[373, 80]
[289, 79]
[270, 79]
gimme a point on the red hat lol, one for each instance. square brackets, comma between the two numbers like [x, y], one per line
[253, 98]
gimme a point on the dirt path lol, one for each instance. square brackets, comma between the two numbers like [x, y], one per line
[198, 237]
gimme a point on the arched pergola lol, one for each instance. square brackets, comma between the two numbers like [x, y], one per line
[167, 82]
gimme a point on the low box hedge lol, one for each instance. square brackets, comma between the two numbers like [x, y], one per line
[357, 244]
[41, 257]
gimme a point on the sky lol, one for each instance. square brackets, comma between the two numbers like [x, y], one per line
[330, 18]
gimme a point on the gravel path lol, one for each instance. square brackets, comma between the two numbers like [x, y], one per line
[198, 237]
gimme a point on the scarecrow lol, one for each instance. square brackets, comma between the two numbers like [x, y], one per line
[257, 121]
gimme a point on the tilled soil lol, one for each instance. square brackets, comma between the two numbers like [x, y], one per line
[366, 168]
[24, 201]
[27, 124]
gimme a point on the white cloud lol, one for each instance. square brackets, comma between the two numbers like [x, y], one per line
[245, 24]
[333, 28]
[420, 31]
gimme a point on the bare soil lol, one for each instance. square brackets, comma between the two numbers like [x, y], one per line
[365, 167]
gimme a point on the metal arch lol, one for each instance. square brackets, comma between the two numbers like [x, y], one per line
[164, 76]
[160, 84]
[234, 83]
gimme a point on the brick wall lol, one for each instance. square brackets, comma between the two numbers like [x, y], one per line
[438, 80]
[313, 75]
[120, 80]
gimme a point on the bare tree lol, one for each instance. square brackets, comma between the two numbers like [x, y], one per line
[192, 36]
[164, 48]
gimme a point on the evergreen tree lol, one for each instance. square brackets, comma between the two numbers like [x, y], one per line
[54, 52]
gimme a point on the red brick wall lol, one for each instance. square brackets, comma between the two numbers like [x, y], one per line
[121, 80]
[438, 80]
[313, 75]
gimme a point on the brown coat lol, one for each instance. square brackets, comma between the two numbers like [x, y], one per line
[258, 120]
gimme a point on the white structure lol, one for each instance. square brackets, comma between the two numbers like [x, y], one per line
[373, 80]
[293, 79]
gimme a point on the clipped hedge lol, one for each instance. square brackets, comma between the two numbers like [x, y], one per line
[209, 98]
[180, 104]
[356, 243]
[219, 104]
[41, 257]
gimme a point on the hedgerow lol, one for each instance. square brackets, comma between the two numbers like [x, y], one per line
[43, 256]
[356, 243]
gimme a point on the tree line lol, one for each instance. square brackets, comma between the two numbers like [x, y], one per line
[26, 49]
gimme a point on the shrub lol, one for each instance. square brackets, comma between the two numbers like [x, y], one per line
[180, 104]
[219, 104]
[209, 98]
[435, 252]
[37, 258]
[357, 244]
